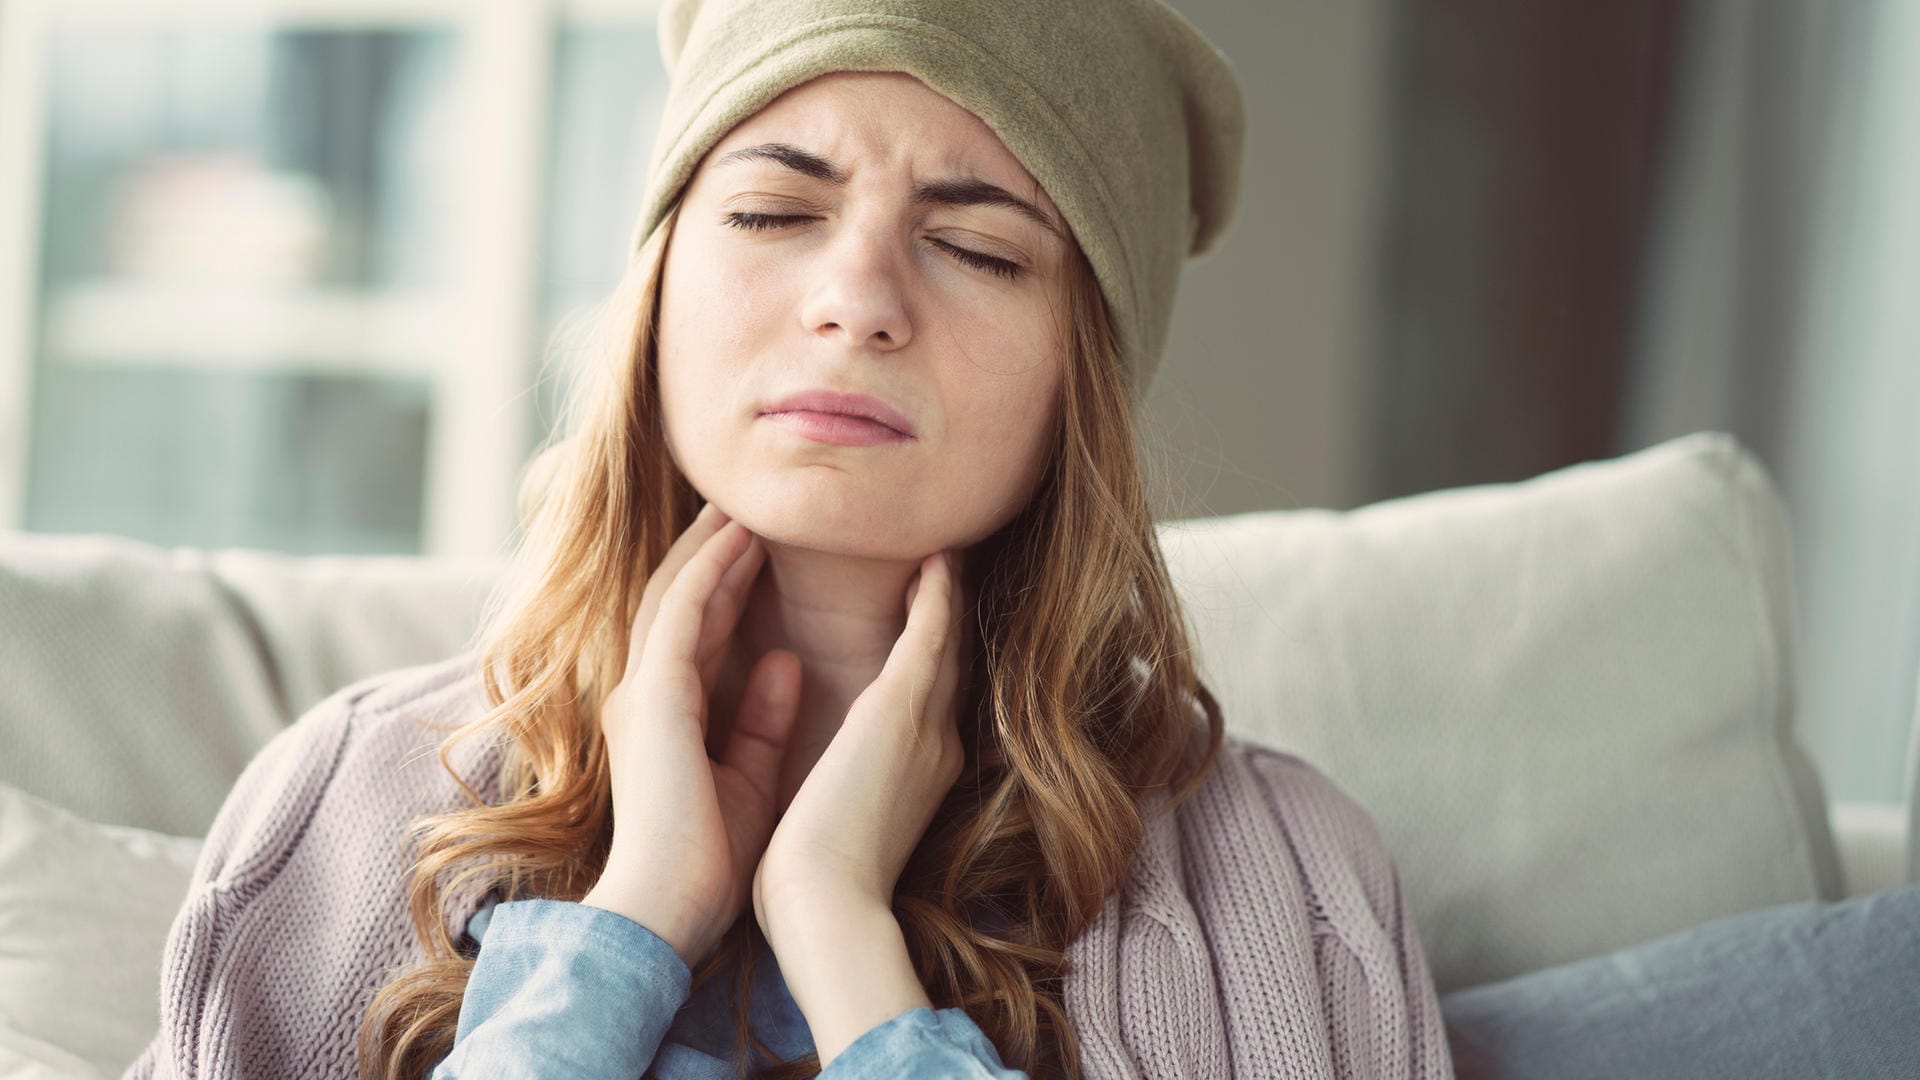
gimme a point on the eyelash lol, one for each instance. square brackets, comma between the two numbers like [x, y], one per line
[999, 267]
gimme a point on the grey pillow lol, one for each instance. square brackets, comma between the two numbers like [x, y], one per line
[1791, 991]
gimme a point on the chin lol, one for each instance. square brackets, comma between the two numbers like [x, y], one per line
[809, 514]
[822, 510]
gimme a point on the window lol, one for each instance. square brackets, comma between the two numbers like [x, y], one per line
[291, 267]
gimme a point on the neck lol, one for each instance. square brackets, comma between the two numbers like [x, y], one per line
[840, 615]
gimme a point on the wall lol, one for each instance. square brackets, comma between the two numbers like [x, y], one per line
[1258, 404]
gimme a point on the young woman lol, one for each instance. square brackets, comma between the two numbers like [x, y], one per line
[837, 711]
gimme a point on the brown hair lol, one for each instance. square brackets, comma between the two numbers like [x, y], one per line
[1082, 709]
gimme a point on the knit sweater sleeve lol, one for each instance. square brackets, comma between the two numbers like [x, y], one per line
[1263, 931]
[211, 1024]
[1381, 1005]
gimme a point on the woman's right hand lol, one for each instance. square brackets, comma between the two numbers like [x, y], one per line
[688, 831]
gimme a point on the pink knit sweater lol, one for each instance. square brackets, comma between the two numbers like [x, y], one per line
[1262, 932]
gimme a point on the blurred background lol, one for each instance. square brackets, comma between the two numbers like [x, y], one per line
[283, 274]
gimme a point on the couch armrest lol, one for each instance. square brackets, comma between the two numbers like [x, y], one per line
[1873, 845]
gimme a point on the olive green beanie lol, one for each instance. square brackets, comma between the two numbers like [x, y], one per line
[1129, 119]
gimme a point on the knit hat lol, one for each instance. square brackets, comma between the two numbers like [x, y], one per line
[1129, 119]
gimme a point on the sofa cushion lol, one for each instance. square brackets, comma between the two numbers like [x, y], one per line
[1567, 701]
[84, 914]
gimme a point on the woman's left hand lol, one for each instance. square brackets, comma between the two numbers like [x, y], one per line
[864, 806]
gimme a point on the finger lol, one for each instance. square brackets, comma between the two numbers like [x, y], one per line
[675, 633]
[915, 657]
[709, 521]
[757, 745]
[947, 682]
[950, 653]
[723, 610]
[948, 560]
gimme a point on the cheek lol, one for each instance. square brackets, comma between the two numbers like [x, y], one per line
[1013, 371]
[704, 338]
[1004, 439]
[707, 303]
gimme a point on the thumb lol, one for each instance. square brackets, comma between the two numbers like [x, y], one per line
[757, 745]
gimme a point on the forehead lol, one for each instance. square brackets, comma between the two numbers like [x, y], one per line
[885, 119]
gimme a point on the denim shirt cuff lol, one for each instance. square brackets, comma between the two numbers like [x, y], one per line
[543, 959]
[536, 921]
[921, 1042]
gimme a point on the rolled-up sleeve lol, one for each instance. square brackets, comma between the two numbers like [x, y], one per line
[565, 989]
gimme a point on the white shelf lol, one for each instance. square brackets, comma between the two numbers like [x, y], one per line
[332, 331]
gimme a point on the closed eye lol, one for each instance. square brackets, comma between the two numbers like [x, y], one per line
[1005, 268]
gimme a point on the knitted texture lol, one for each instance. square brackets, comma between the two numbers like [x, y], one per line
[1261, 932]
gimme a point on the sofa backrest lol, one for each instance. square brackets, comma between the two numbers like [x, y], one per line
[143, 678]
[1567, 701]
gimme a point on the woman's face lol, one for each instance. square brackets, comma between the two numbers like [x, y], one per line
[887, 269]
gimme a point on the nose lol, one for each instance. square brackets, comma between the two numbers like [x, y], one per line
[859, 298]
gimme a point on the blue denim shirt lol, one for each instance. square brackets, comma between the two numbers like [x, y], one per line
[569, 989]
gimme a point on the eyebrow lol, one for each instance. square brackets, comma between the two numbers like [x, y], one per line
[955, 191]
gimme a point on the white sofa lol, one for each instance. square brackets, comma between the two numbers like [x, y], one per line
[1568, 702]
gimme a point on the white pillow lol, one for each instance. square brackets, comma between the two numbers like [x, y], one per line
[1568, 701]
[84, 914]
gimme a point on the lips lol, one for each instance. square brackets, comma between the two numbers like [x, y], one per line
[834, 402]
[837, 429]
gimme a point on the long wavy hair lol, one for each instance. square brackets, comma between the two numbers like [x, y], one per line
[1082, 715]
